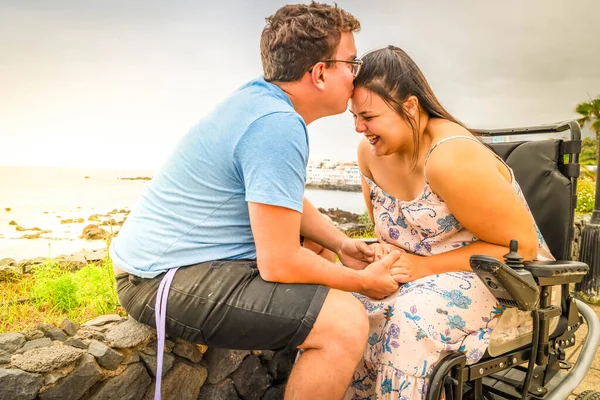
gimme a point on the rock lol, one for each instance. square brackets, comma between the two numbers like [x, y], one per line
[351, 229]
[95, 255]
[50, 378]
[69, 327]
[13, 223]
[107, 357]
[340, 216]
[46, 359]
[76, 342]
[52, 332]
[21, 229]
[35, 344]
[151, 347]
[90, 334]
[275, 392]
[150, 362]
[129, 385]
[31, 236]
[100, 329]
[94, 218]
[129, 334]
[103, 319]
[182, 382]
[72, 263]
[33, 334]
[93, 232]
[281, 364]
[10, 272]
[130, 356]
[7, 209]
[251, 379]
[19, 385]
[185, 349]
[222, 362]
[28, 265]
[4, 357]
[224, 390]
[265, 355]
[8, 261]
[11, 342]
[72, 221]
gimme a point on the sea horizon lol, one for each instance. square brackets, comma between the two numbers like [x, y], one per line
[42, 197]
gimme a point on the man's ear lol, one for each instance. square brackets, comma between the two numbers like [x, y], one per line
[411, 106]
[317, 75]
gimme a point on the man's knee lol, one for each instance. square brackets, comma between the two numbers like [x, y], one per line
[342, 321]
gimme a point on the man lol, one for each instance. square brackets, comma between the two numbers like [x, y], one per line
[228, 208]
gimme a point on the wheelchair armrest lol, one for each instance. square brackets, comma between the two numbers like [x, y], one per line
[557, 272]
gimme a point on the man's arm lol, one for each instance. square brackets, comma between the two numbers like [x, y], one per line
[316, 228]
[281, 259]
[353, 253]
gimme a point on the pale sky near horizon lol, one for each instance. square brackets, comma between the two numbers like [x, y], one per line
[116, 84]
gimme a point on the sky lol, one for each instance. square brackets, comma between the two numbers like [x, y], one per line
[115, 84]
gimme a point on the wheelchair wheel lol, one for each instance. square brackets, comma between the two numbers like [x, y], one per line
[588, 395]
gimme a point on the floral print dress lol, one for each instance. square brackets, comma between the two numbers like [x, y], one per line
[430, 317]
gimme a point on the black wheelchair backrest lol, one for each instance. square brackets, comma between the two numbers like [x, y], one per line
[547, 172]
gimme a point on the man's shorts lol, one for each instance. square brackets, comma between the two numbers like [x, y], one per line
[226, 304]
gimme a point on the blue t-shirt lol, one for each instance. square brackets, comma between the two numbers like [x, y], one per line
[252, 148]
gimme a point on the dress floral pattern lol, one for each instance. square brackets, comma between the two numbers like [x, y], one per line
[430, 317]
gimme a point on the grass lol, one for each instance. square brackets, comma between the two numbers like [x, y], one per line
[52, 292]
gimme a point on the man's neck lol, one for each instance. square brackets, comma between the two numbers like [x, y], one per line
[301, 99]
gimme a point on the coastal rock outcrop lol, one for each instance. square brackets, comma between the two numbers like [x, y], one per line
[93, 232]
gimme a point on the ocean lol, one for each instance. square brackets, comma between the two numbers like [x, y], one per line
[42, 197]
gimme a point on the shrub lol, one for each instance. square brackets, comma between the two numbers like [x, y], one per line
[91, 290]
[585, 196]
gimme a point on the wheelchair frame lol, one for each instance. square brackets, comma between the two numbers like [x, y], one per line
[504, 376]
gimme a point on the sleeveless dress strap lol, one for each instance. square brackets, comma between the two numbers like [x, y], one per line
[461, 137]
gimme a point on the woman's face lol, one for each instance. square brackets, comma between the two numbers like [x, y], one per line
[386, 131]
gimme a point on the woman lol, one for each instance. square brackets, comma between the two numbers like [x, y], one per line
[437, 193]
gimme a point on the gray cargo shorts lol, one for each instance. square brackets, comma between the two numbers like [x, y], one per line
[226, 304]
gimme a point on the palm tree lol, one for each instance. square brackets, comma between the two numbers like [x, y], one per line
[590, 111]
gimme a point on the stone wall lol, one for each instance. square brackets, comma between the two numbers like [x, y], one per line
[111, 357]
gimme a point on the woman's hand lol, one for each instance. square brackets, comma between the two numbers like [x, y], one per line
[381, 249]
[409, 267]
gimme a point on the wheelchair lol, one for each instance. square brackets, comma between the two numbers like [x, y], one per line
[531, 364]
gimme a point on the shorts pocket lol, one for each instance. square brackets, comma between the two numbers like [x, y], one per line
[173, 327]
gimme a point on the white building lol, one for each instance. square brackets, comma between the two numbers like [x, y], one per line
[352, 175]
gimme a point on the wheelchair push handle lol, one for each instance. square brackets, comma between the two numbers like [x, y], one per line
[509, 282]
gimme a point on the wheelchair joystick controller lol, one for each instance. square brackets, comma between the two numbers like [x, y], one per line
[509, 282]
[513, 259]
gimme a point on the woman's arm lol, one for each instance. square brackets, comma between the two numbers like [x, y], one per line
[476, 189]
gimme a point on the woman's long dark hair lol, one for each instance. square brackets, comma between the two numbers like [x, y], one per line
[393, 75]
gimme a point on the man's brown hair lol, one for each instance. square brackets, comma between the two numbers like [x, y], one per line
[298, 36]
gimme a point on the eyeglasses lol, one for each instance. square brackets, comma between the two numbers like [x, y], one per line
[355, 65]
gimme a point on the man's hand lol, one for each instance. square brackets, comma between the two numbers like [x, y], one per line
[355, 253]
[378, 282]
[408, 268]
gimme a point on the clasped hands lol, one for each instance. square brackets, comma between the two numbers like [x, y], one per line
[385, 266]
